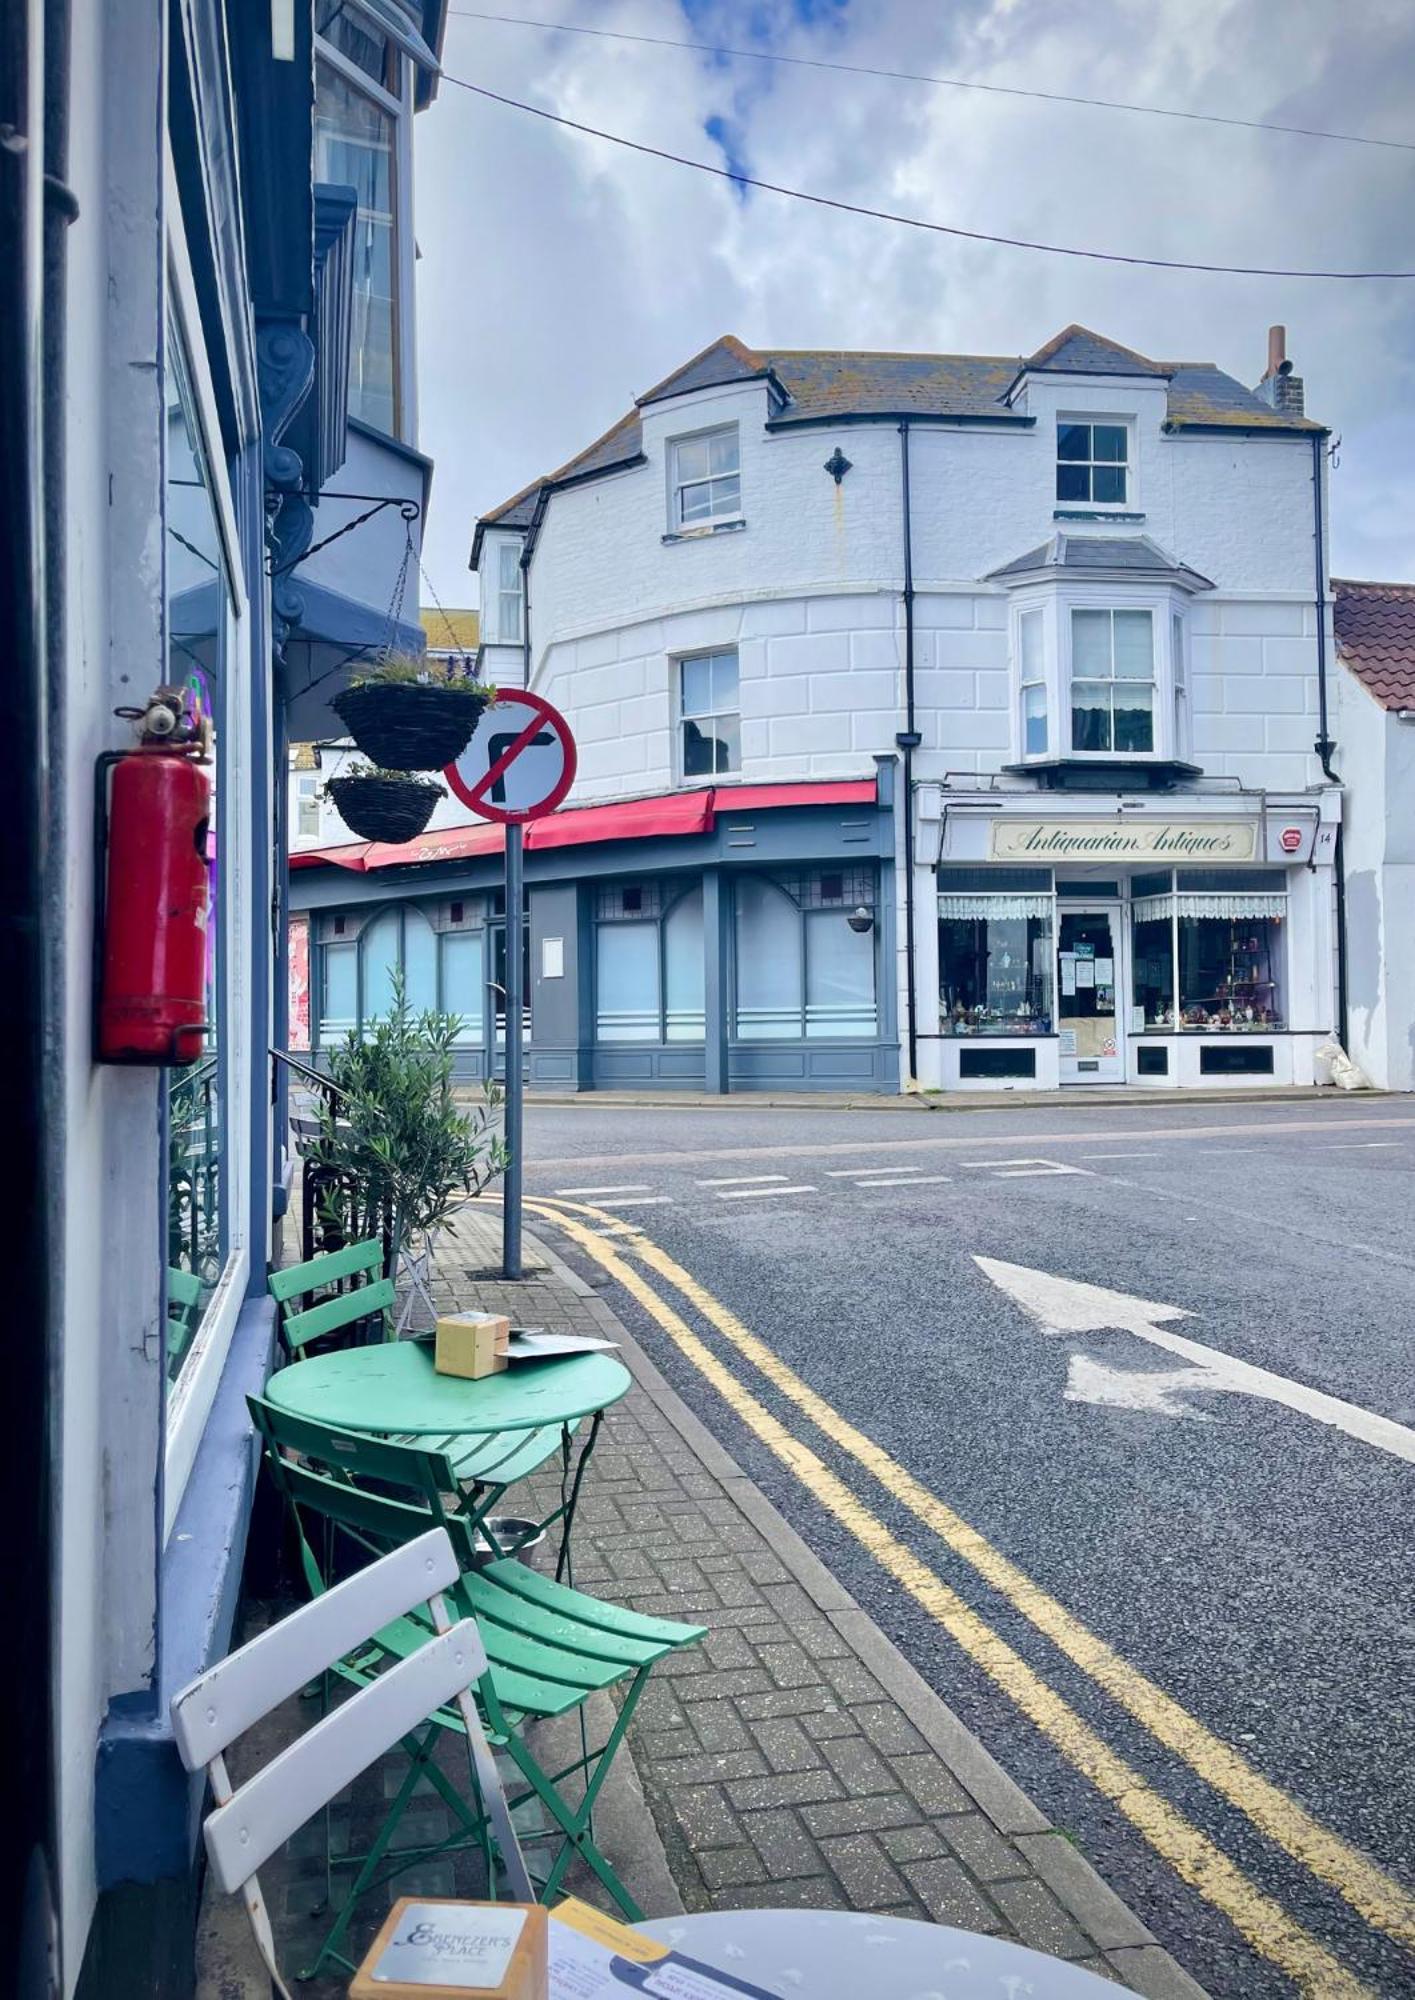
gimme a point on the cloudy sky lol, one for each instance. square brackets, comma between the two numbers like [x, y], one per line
[561, 276]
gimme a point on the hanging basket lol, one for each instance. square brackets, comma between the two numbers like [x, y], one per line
[411, 725]
[392, 809]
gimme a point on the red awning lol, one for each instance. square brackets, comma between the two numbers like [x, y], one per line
[669, 814]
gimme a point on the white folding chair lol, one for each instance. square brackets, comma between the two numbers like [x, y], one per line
[249, 1825]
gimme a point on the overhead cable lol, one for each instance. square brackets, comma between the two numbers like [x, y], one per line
[940, 82]
[745, 180]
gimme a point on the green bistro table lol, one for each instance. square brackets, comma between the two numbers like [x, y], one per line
[392, 1389]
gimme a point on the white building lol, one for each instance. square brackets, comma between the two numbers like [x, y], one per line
[953, 717]
[1375, 727]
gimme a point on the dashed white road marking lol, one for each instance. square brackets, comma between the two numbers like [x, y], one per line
[1359, 1145]
[739, 1180]
[851, 1173]
[756, 1193]
[1064, 1305]
[624, 1187]
[639, 1200]
[914, 1180]
[1117, 1156]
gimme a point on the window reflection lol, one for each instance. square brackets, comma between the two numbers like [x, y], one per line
[198, 602]
[354, 147]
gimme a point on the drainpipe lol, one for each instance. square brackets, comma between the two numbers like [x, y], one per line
[907, 742]
[1324, 745]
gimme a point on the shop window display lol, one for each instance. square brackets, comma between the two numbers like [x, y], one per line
[1224, 931]
[995, 959]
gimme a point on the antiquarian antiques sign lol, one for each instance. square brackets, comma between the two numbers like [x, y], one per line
[1198, 842]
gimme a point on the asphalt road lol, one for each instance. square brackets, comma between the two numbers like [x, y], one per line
[1245, 1547]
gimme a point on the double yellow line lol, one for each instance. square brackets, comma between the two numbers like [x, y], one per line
[1374, 1895]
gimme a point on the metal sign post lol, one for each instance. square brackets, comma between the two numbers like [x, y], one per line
[515, 1007]
[518, 766]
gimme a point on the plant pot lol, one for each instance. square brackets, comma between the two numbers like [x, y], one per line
[410, 725]
[392, 809]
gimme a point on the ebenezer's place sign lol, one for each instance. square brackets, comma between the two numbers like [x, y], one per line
[1197, 841]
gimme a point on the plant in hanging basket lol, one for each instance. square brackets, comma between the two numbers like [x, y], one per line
[379, 804]
[409, 714]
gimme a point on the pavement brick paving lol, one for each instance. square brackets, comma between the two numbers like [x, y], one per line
[794, 1758]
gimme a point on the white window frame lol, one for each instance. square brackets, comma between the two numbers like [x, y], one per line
[1092, 419]
[1056, 602]
[1036, 677]
[399, 107]
[727, 516]
[681, 718]
[190, 1397]
[1113, 680]
[512, 633]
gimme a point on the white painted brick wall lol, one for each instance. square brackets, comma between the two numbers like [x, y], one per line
[809, 592]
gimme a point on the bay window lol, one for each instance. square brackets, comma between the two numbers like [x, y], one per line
[995, 951]
[1209, 950]
[650, 981]
[803, 969]
[1099, 672]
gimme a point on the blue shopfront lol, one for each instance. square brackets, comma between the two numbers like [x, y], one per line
[711, 941]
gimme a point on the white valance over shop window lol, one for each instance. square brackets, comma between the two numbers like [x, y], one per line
[995, 908]
[1236, 904]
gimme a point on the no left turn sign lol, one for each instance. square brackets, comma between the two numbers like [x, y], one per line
[520, 763]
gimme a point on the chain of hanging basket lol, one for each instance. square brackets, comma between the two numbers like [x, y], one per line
[408, 724]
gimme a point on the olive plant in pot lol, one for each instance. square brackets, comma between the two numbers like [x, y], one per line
[381, 804]
[399, 1151]
[411, 714]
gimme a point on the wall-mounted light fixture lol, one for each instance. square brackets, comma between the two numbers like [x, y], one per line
[837, 465]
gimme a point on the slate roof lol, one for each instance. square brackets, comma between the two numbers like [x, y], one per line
[814, 385]
[1375, 635]
[1136, 554]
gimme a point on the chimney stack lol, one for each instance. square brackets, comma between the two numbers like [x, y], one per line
[1280, 387]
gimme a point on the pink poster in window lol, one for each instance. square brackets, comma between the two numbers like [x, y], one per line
[299, 982]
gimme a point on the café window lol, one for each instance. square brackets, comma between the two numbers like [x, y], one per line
[650, 982]
[804, 955]
[1226, 942]
[198, 1111]
[995, 951]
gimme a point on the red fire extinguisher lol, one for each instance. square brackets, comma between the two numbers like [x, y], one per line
[152, 1007]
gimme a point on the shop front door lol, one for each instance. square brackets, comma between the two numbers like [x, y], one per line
[1088, 986]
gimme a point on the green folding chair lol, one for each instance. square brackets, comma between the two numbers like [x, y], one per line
[305, 1317]
[549, 1647]
[485, 1465]
[183, 1316]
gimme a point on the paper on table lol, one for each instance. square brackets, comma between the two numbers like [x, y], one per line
[451, 1944]
[531, 1344]
[594, 1958]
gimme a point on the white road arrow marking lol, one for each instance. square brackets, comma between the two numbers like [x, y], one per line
[1152, 1389]
[1063, 1305]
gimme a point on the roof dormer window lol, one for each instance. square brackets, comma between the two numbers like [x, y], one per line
[1092, 463]
[706, 480]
